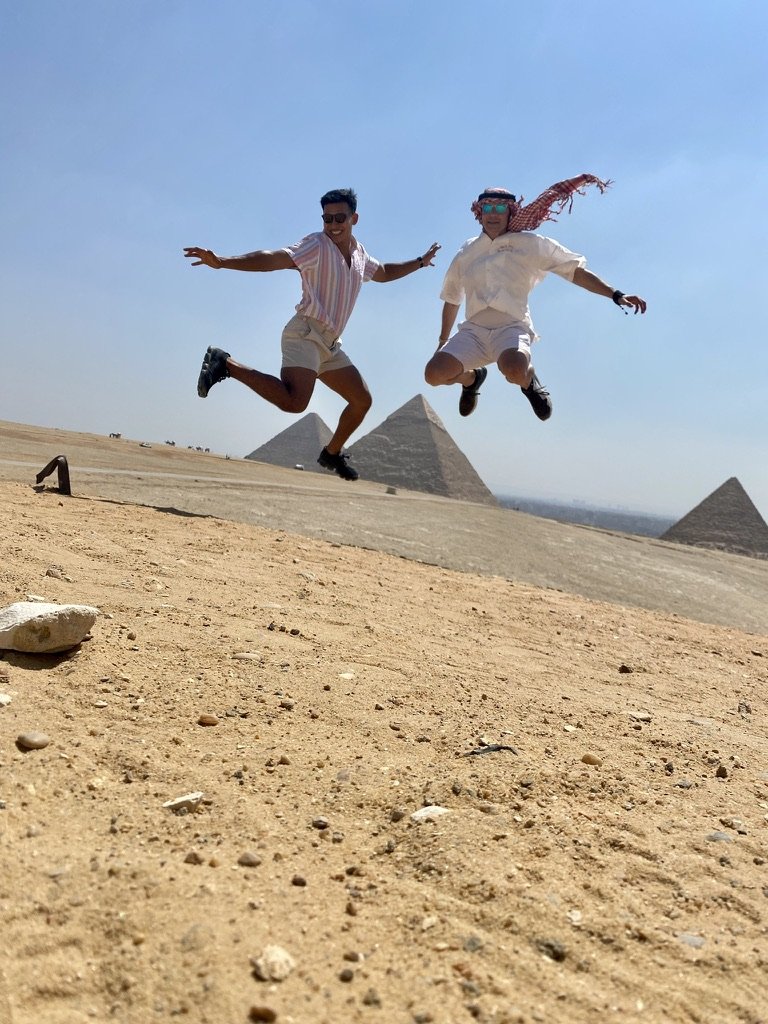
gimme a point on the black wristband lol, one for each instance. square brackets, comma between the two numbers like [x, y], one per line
[617, 297]
[421, 262]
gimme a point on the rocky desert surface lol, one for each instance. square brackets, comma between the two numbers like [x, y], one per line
[442, 762]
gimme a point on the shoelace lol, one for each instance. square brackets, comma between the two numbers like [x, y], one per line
[339, 456]
[476, 384]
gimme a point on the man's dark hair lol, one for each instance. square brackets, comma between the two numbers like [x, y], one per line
[340, 195]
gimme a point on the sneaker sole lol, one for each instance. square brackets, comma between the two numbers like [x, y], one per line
[204, 383]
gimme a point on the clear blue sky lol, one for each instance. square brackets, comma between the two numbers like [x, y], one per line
[130, 130]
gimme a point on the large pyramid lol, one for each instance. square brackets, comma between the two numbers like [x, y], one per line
[726, 520]
[299, 444]
[412, 449]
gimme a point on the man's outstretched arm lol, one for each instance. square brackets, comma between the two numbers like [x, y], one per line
[586, 279]
[394, 271]
[262, 260]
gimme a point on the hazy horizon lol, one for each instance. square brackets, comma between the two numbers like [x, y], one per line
[503, 495]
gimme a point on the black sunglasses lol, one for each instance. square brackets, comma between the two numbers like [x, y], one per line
[340, 218]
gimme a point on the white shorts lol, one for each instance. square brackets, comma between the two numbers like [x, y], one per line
[310, 344]
[476, 346]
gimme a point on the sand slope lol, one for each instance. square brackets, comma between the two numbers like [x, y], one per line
[711, 586]
[554, 890]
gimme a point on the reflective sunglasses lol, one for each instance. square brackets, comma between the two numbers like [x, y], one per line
[340, 218]
[494, 207]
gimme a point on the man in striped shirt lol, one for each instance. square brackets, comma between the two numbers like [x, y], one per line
[333, 267]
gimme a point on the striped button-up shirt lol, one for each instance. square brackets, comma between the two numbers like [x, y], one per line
[330, 287]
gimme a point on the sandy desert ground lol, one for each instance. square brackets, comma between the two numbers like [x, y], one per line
[587, 710]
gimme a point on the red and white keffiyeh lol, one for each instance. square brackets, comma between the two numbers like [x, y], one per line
[545, 207]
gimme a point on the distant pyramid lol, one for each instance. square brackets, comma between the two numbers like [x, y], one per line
[726, 520]
[299, 444]
[412, 449]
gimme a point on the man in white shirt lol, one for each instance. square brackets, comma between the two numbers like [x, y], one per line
[333, 267]
[494, 274]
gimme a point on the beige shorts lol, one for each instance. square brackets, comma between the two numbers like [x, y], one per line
[310, 344]
[475, 346]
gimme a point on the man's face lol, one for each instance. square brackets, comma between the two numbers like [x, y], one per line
[495, 221]
[339, 233]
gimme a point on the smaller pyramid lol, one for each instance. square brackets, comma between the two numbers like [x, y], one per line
[726, 520]
[297, 445]
[412, 449]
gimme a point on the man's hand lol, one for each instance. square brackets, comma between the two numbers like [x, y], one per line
[202, 257]
[639, 305]
[394, 271]
[586, 279]
[430, 254]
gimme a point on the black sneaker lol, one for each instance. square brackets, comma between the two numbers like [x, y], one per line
[337, 464]
[539, 398]
[469, 392]
[213, 370]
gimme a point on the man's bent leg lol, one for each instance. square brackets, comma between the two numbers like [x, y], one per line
[443, 368]
[348, 383]
[516, 367]
[291, 391]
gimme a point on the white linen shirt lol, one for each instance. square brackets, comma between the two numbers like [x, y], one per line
[500, 273]
[329, 288]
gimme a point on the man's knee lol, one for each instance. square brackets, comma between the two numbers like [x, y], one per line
[514, 365]
[443, 368]
[361, 402]
[295, 403]
[516, 376]
[434, 373]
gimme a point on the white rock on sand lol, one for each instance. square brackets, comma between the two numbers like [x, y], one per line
[274, 964]
[44, 628]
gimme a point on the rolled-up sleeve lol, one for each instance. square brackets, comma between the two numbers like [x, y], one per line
[305, 253]
[371, 266]
[559, 260]
[453, 287]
